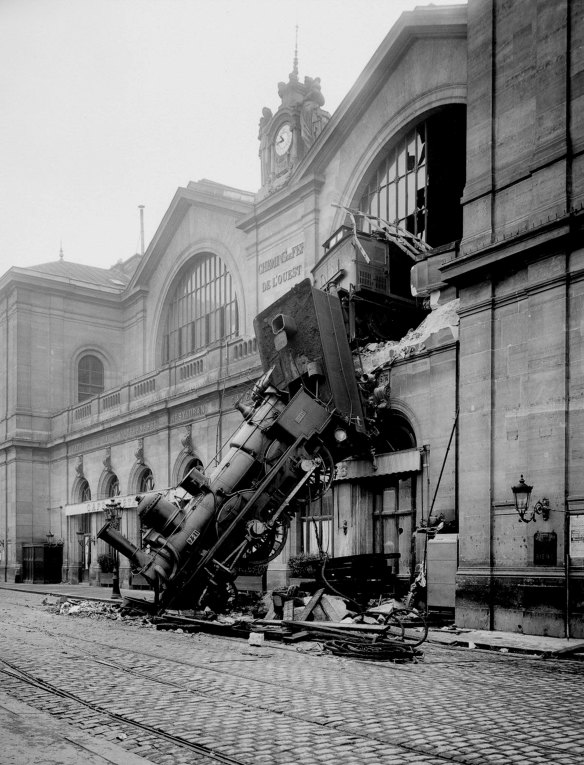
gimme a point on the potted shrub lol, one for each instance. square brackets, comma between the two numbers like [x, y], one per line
[306, 565]
[251, 577]
[106, 564]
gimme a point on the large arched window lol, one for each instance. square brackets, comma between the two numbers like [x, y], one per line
[112, 488]
[419, 182]
[146, 480]
[395, 432]
[83, 491]
[89, 377]
[202, 310]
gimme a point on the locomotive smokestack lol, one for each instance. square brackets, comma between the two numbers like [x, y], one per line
[113, 537]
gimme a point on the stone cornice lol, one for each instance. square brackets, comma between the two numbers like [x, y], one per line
[205, 194]
[529, 242]
[36, 281]
[426, 353]
[421, 23]
[281, 201]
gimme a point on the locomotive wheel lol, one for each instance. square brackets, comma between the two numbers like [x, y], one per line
[219, 597]
[318, 483]
[266, 543]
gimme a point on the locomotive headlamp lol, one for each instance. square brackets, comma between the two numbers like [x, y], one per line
[340, 435]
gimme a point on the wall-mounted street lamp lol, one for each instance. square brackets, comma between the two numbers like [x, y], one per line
[81, 538]
[522, 494]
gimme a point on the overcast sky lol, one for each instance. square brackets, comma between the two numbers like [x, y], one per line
[110, 104]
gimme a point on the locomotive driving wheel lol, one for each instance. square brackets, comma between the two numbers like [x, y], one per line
[266, 540]
[321, 478]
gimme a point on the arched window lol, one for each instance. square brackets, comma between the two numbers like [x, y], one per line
[89, 377]
[112, 488]
[202, 310]
[146, 481]
[83, 491]
[395, 432]
[419, 182]
[194, 463]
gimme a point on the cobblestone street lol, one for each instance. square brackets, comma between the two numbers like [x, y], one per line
[181, 698]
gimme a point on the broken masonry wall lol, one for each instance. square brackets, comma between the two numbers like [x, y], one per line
[420, 372]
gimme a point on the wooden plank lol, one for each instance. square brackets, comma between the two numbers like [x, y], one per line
[344, 626]
[310, 605]
[319, 613]
[296, 636]
[568, 649]
[288, 612]
[331, 609]
[326, 630]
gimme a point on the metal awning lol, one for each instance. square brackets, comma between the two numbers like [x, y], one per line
[390, 463]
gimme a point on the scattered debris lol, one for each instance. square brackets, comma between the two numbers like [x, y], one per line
[575, 648]
[454, 629]
[289, 615]
[373, 357]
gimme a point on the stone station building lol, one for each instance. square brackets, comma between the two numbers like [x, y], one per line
[465, 129]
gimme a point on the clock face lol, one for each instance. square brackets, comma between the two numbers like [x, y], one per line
[283, 139]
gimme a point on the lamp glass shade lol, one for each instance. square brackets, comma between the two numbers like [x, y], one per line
[522, 493]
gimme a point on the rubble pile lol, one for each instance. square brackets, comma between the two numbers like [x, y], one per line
[288, 615]
[373, 357]
[95, 609]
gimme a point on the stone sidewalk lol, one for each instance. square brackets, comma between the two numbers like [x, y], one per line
[32, 737]
[505, 641]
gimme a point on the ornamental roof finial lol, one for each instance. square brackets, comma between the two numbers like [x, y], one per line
[294, 72]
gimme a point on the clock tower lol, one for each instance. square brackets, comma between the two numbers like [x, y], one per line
[286, 136]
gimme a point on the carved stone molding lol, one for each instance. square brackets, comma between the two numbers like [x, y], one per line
[139, 453]
[107, 460]
[187, 439]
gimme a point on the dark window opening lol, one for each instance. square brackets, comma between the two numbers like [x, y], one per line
[194, 463]
[84, 492]
[395, 432]
[113, 487]
[89, 377]
[419, 183]
[146, 481]
[316, 525]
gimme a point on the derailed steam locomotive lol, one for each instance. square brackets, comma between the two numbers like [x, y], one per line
[304, 415]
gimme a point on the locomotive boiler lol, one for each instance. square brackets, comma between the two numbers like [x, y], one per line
[303, 415]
